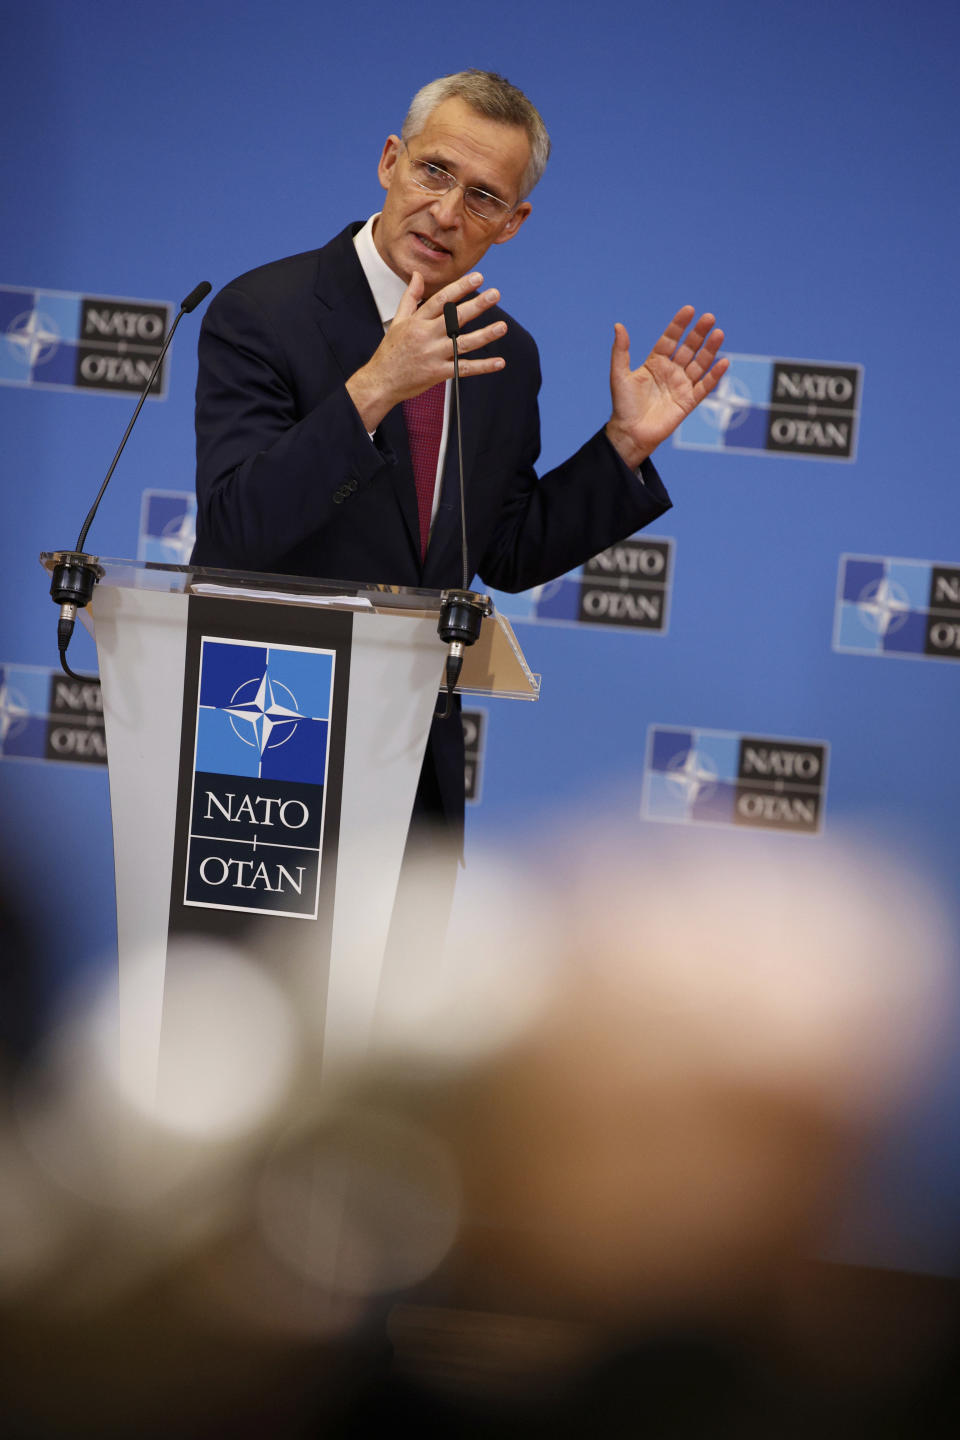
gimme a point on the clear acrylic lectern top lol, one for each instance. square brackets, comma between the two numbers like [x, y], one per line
[494, 666]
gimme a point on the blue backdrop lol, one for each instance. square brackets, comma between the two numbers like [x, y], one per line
[793, 169]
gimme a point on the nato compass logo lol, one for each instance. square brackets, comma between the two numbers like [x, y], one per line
[258, 799]
[44, 715]
[168, 527]
[907, 608]
[717, 777]
[783, 407]
[474, 745]
[627, 586]
[53, 339]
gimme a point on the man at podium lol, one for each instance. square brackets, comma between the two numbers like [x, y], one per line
[324, 443]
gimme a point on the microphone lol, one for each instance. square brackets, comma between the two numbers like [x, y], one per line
[462, 611]
[76, 573]
[198, 293]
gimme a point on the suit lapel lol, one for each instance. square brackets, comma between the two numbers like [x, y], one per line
[348, 318]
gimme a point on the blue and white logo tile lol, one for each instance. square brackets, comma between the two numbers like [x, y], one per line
[769, 406]
[168, 527]
[47, 716]
[886, 606]
[259, 792]
[625, 587]
[474, 747]
[721, 777]
[55, 339]
[691, 775]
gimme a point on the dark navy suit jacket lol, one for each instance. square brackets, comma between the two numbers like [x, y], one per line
[289, 482]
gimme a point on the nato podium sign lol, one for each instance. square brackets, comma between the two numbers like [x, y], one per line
[258, 787]
[260, 776]
[264, 738]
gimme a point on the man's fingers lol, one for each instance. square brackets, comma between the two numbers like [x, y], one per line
[411, 297]
[469, 309]
[476, 339]
[711, 379]
[620, 354]
[479, 367]
[691, 343]
[456, 290]
[706, 355]
[669, 339]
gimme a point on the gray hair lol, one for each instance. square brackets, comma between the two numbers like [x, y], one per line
[490, 95]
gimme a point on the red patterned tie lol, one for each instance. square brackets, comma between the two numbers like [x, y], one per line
[424, 418]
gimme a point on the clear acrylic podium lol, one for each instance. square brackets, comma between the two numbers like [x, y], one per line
[264, 741]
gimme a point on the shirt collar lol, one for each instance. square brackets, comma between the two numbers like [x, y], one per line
[387, 288]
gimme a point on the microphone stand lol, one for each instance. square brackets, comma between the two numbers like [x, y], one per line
[76, 573]
[462, 611]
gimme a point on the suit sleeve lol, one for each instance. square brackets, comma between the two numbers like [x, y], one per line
[271, 472]
[550, 524]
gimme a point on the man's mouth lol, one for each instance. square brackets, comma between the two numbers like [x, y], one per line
[430, 244]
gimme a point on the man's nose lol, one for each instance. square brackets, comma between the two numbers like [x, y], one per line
[448, 208]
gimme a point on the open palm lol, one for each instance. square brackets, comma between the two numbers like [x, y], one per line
[680, 371]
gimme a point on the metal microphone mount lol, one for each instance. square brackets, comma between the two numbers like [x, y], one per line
[71, 587]
[462, 613]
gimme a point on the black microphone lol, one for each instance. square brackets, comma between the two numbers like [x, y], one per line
[76, 573]
[462, 611]
[200, 292]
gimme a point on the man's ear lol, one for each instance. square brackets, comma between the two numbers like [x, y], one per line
[513, 224]
[388, 160]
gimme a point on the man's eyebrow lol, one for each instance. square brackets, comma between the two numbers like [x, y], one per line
[434, 158]
[491, 190]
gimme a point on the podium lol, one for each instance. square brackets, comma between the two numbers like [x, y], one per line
[264, 741]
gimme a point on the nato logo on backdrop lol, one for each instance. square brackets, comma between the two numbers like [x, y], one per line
[627, 587]
[44, 715]
[719, 777]
[259, 795]
[904, 608]
[54, 339]
[168, 527]
[474, 745]
[779, 407]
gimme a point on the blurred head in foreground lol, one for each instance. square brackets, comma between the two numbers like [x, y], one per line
[624, 1092]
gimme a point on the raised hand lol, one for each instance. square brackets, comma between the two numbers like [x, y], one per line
[649, 403]
[416, 351]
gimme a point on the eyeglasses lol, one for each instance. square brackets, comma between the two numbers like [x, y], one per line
[437, 181]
